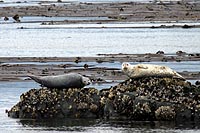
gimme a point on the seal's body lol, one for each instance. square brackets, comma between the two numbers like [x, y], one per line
[71, 80]
[148, 70]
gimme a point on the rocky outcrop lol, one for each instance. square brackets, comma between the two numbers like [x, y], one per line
[150, 98]
[154, 99]
[56, 103]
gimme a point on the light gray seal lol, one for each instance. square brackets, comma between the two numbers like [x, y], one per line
[70, 80]
[148, 70]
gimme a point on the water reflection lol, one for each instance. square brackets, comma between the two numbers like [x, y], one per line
[60, 124]
[77, 125]
[92, 125]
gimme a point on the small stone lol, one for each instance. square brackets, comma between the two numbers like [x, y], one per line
[16, 18]
[197, 83]
[160, 52]
[6, 18]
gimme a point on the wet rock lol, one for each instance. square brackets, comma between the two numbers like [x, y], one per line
[143, 109]
[53, 103]
[16, 18]
[86, 66]
[181, 53]
[187, 26]
[196, 55]
[160, 52]
[97, 80]
[148, 98]
[165, 113]
[6, 18]
[99, 60]
[77, 60]
[197, 83]
[153, 99]
[184, 114]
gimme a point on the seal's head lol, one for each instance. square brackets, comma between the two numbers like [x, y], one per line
[86, 80]
[125, 66]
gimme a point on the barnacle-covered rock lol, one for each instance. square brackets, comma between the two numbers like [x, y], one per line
[165, 113]
[147, 98]
[161, 89]
[153, 98]
[52, 103]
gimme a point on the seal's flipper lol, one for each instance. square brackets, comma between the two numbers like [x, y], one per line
[181, 78]
[178, 76]
[35, 78]
[142, 67]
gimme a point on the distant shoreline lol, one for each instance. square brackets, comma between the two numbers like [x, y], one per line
[115, 11]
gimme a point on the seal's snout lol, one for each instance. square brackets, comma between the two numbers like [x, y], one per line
[89, 82]
[86, 81]
[125, 66]
[124, 69]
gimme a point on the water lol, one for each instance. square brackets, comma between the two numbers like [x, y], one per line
[88, 40]
[190, 66]
[11, 91]
[67, 42]
[37, 41]
[9, 95]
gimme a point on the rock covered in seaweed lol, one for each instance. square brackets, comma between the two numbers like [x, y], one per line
[150, 98]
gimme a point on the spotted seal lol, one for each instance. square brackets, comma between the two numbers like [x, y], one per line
[70, 80]
[148, 70]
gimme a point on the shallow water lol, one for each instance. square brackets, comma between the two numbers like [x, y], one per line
[11, 91]
[190, 66]
[9, 96]
[71, 40]
[30, 38]
[67, 42]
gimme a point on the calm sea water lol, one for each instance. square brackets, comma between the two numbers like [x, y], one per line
[71, 40]
[9, 96]
[11, 91]
[52, 41]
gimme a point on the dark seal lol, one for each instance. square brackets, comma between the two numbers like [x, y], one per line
[70, 80]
